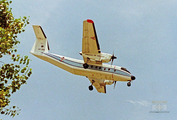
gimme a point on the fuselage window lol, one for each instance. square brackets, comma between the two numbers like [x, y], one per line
[122, 68]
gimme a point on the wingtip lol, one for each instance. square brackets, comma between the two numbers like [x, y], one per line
[90, 21]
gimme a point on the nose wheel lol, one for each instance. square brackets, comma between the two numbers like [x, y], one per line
[129, 84]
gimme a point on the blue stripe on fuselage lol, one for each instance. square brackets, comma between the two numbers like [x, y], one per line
[92, 67]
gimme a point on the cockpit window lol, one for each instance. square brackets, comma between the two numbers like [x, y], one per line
[122, 68]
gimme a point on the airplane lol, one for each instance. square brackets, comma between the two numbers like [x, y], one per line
[91, 66]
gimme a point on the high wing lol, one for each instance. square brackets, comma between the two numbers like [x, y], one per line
[98, 84]
[90, 43]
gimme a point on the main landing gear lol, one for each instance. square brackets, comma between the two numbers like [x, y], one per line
[85, 65]
[90, 87]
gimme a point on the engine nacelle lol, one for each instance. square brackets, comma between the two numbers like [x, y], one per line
[108, 82]
[105, 58]
[102, 57]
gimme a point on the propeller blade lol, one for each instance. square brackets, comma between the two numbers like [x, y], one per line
[115, 84]
[112, 58]
[111, 61]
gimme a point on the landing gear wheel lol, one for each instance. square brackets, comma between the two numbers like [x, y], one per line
[90, 87]
[85, 65]
[129, 84]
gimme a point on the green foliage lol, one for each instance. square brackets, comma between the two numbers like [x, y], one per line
[12, 75]
[9, 28]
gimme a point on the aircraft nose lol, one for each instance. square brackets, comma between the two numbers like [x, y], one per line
[133, 77]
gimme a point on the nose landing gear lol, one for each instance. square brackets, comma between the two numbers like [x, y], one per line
[129, 84]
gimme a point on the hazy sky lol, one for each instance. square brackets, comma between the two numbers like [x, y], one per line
[142, 35]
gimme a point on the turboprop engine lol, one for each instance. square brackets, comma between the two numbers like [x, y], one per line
[102, 57]
[108, 82]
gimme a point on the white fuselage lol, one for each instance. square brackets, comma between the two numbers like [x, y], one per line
[74, 66]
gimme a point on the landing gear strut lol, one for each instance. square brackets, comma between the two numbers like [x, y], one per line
[90, 87]
[129, 84]
[85, 65]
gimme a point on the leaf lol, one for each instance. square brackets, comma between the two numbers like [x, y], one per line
[2, 112]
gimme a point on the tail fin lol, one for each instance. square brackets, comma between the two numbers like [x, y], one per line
[41, 43]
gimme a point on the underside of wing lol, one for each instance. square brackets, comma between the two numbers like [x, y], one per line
[99, 85]
[90, 41]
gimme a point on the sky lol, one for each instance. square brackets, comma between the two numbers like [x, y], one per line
[142, 34]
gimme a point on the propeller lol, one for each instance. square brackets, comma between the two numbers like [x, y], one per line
[112, 58]
[115, 84]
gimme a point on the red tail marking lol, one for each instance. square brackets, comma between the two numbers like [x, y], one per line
[90, 21]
